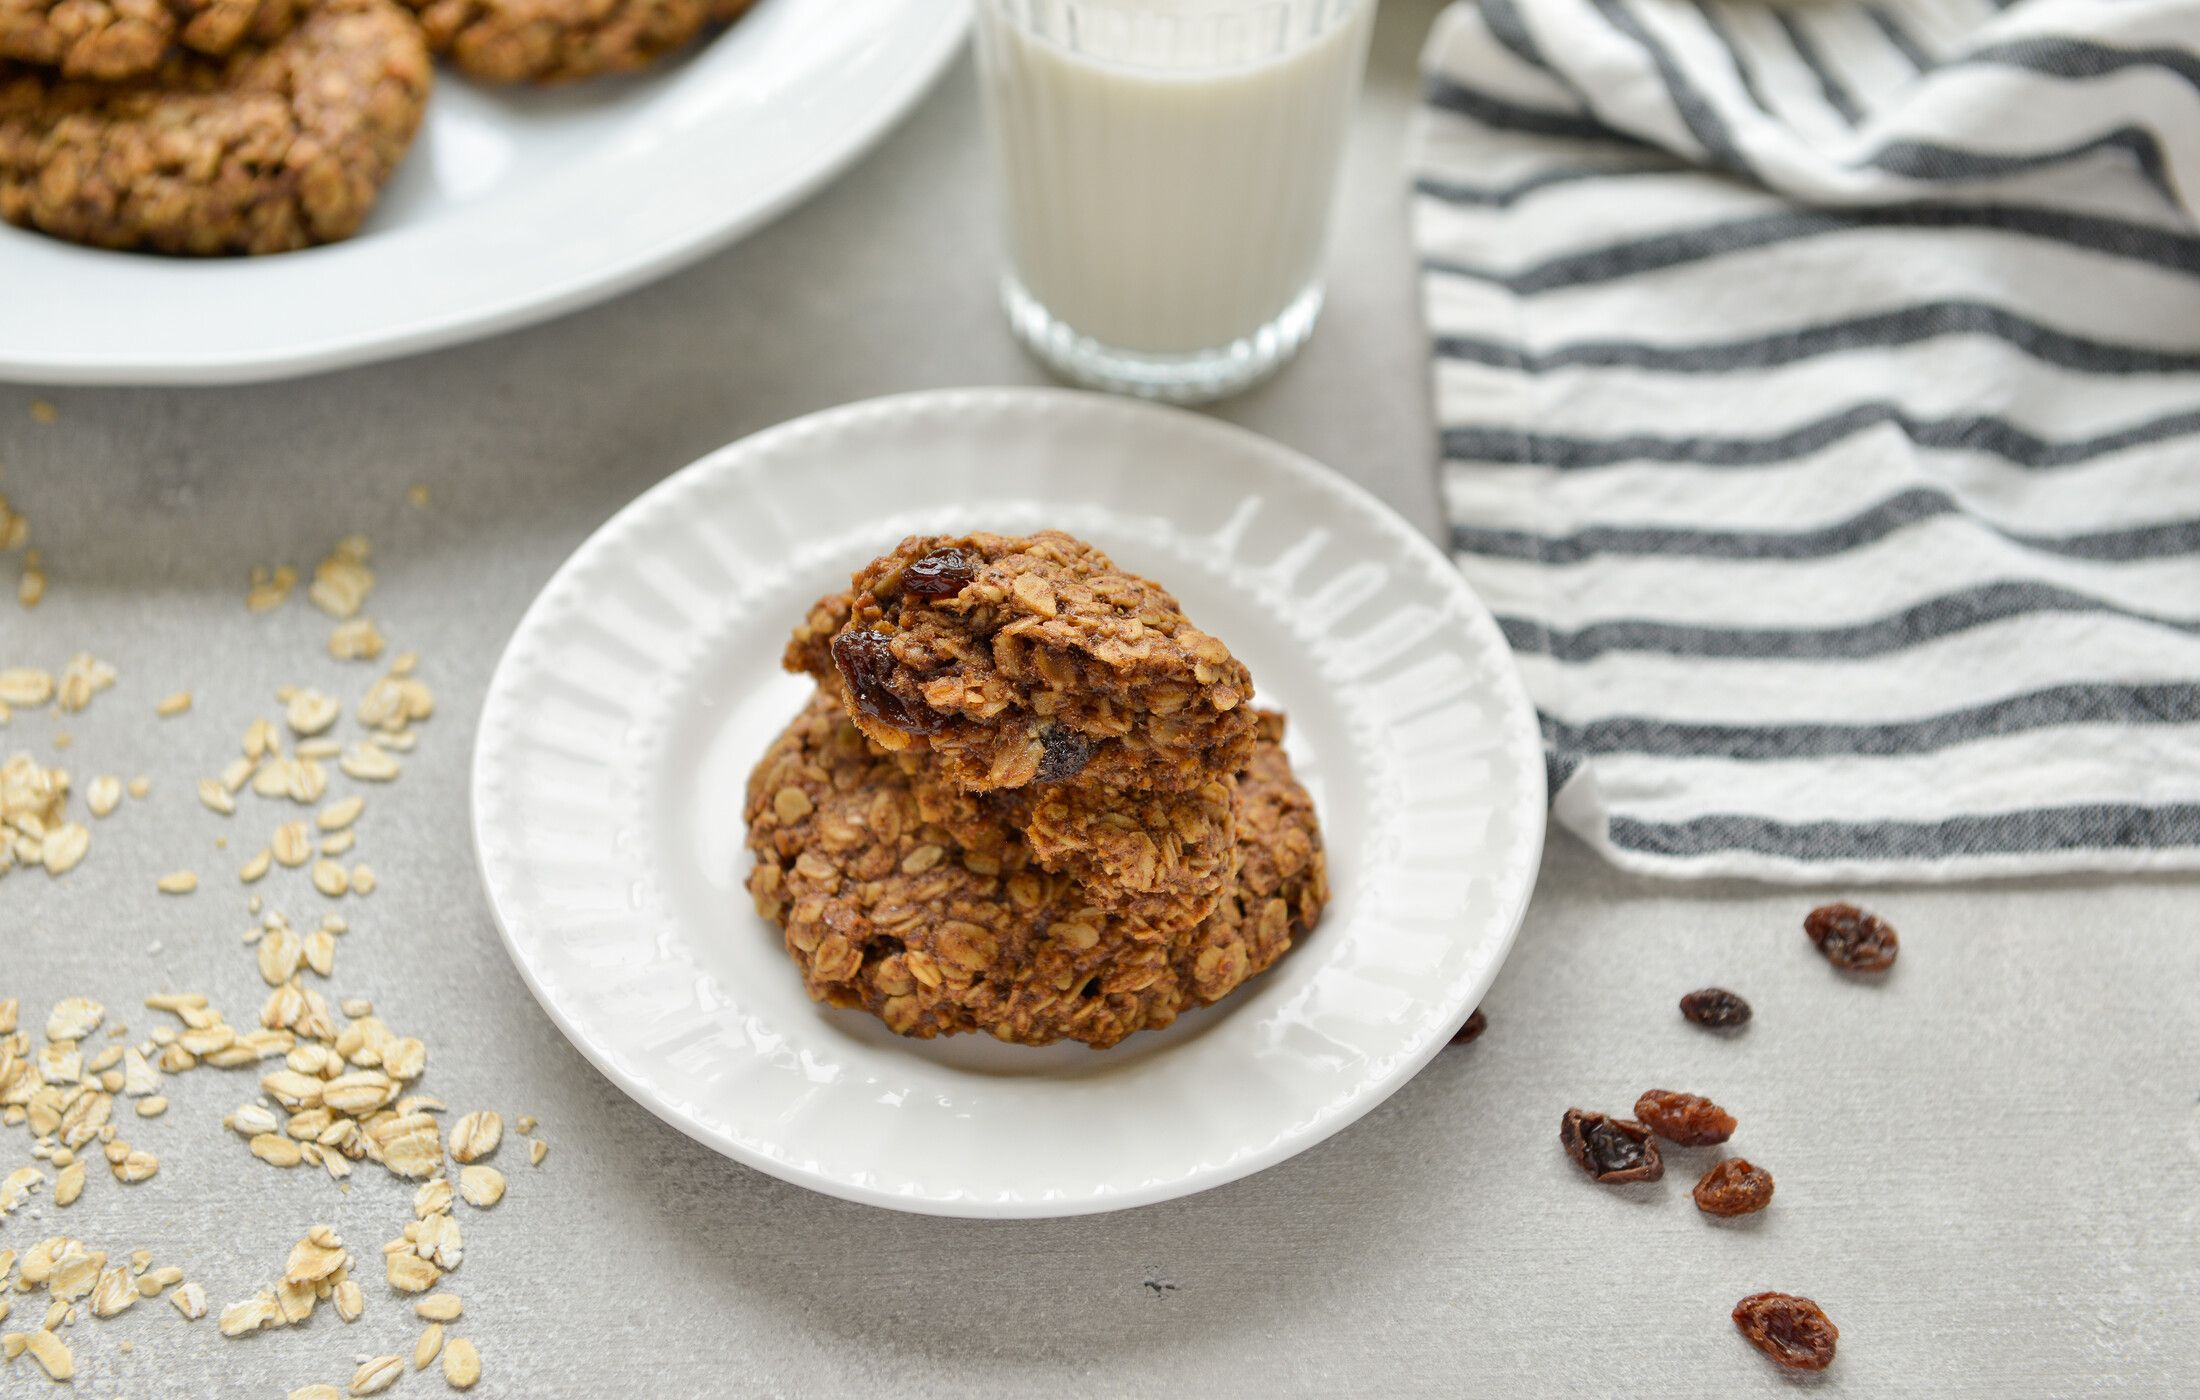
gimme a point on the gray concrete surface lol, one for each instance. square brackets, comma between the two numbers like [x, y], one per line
[1989, 1168]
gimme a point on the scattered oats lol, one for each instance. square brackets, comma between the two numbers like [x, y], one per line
[276, 1151]
[65, 847]
[254, 868]
[358, 1093]
[52, 1354]
[431, 1342]
[173, 704]
[321, 952]
[215, 797]
[417, 493]
[319, 748]
[350, 1300]
[30, 589]
[316, 1392]
[368, 761]
[461, 1364]
[363, 878]
[251, 1315]
[117, 1292]
[432, 1198]
[439, 1307]
[140, 785]
[64, 740]
[237, 772]
[152, 1107]
[69, 1184]
[177, 882]
[408, 1272]
[476, 1136]
[17, 1188]
[356, 640]
[329, 878]
[536, 1151]
[74, 1018]
[310, 712]
[25, 687]
[44, 412]
[482, 1187]
[293, 843]
[270, 587]
[84, 677]
[138, 1075]
[339, 844]
[340, 814]
[190, 1300]
[409, 1143]
[405, 1058]
[525, 1122]
[342, 581]
[104, 794]
[357, 1006]
[105, 1060]
[138, 1166]
[377, 1375]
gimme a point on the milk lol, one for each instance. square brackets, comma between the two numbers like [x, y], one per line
[1167, 166]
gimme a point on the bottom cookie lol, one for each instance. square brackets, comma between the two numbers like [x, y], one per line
[892, 914]
[276, 147]
[556, 41]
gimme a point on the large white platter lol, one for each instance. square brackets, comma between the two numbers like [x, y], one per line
[513, 206]
[644, 682]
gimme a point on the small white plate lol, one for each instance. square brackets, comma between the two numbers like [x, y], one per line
[512, 206]
[643, 684]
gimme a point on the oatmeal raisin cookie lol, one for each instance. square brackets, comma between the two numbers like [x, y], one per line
[276, 147]
[1022, 659]
[939, 931]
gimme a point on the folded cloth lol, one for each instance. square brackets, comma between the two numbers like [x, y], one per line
[1819, 392]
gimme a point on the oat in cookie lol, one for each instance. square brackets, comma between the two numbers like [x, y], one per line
[109, 40]
[554, 41]
[276, 147]
[887, 911]
[1020, 659]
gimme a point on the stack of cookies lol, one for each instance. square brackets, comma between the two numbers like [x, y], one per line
[260, 126]
[1028, 798]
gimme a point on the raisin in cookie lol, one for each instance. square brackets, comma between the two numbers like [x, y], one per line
[889, 911]
[1021, 659]
[109, 40]
[555, 41]
[278, 146]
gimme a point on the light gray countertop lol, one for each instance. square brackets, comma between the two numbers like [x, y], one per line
[1989, 1167]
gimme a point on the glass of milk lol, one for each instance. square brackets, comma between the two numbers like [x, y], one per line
[1167, 169]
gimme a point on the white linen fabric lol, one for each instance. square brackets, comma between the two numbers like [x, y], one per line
[1819, 395]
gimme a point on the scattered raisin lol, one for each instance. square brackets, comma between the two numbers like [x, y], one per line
[1792, 1331]
[941, 574]
[1734, 1186]
[1613, 1150]
[1685, 1118]
[865, 663]
[1851, 939]
[1715, 1007]
[1472, 1030]
[1065, 754]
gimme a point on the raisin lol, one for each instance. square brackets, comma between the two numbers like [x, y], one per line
[1734, 1186]
[1792, 1331]
[941, 574]
[1851, 939]
[1715, 1007]
[1613, 1150]
[1684, 1118]
[1065, 755]
[1472, 1030]
[865, 663]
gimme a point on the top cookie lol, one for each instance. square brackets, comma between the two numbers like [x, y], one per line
[114, 39]
[1022, 659]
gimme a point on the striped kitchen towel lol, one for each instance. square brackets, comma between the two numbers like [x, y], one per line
[1819, 391]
